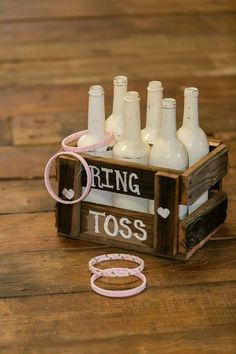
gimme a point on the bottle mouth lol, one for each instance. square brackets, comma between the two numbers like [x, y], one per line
[191, 92]
[120, 80]
[96, 90]
[155, 86]
[169, 103]
[132, 96]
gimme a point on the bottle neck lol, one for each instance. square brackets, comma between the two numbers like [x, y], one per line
[190, 119]
[118, 98]
[132, 124]
[154, 109]
[96, 112]
[168, 123]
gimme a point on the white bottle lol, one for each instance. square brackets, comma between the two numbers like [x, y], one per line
[154, 111]
[193, 137]
[96, 133]
[131, 149]
[115, 121]
[168, 151]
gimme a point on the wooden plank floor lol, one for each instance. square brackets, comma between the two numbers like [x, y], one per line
[50, 53]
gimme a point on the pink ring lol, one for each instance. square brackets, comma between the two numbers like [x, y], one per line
[118, 293]
[74, 137]
[116, 272]
[73, 151]
[47, 180]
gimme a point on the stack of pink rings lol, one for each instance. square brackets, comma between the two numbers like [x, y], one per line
[117, 272]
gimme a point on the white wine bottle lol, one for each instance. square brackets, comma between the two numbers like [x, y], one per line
[96, 133]
[168, 151]
[115, 121]
[154, 111]
[193, 137]
[131, 149]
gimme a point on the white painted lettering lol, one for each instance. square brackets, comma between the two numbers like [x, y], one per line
[123, 223]
[133, 187]
[121, 179]
[95, 173]
[111, 226]
[115, 223]
[138, 224]
[107, 171]
[96, 215]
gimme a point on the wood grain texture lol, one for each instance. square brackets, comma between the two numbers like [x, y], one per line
[73, 8]
[5, 131]
[194, 341]
[68, 217]
[204, 174]
[29, 232]
[166, 197]
[26, 162]
[69, 273]
[25, 196]
[90, 69]
[202, 222]
[118, 46]
[83, 327]
[77, 30]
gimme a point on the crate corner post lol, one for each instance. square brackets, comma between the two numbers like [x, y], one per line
[202, 224]
[69, 172]
[166, 213]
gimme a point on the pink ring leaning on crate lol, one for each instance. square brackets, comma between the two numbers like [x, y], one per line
[118, 293]
[74, 151]
[74, 137]
[116, 272]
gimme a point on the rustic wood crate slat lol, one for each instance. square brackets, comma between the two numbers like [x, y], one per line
[202, 223]
[67, 220]
[204, 174]
[166, 197]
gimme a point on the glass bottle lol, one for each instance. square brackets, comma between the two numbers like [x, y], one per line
[96, 133]
[154, 111]
[115, 121]
[193, 137]
[168, 151]
[131, 149]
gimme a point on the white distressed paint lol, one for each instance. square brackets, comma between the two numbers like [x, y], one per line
[131, 149]
[168, 151]
[108, 226]
[115, 121]
[193, 137]
[114, 227]
[69, 194]
[124, 181]
[153, 113]
[163, 212]
[124, 222]
[96, 215]
[96, 133]
[139, 225]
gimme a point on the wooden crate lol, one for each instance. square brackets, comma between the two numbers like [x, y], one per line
[161, 235]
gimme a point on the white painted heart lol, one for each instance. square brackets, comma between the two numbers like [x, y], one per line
[69, 194]
[164, 213]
